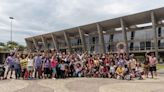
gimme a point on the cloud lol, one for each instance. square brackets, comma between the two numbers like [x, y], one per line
[34, 17]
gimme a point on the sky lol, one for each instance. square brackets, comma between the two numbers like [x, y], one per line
[35, 17]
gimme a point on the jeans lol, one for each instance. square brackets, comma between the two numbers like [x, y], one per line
[17, 73]
[38, 72]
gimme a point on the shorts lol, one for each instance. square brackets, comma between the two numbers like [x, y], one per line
[10, 67]
[46, 70]
[54, 70]
[30, 68]
[153, 68]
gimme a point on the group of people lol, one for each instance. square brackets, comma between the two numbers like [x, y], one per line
[51, 64]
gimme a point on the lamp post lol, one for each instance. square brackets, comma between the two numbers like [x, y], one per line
[11, 39]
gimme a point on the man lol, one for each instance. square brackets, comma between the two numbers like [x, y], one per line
[152, 64]
[10, 65]
[38, 65]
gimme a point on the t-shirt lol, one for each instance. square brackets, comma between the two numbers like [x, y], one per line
[120, 70]
[37, 61]
[62, 67]
[30, 62]
[112, 69]
[121, 62]
[53, 63]
[46, 63]
[23, 63]
[78, 70]
[16, 63]
[10, 60]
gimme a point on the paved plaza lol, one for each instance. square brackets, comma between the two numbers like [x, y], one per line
[84, 85]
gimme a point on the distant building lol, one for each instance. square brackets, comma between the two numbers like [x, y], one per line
[140, 32]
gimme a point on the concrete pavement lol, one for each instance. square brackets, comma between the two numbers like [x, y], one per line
[83, 85]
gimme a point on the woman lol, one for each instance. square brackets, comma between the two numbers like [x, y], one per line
[62, 69]
[112, 70]
[30, 66]
[46, 66]
[23, 63]
[10, 65]
[53, 67]
[146, 67]
[17, 66]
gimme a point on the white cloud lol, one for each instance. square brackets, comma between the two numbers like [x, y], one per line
[34, 17]
[117, 8]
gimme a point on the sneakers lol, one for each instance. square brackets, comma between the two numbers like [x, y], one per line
[54, 78]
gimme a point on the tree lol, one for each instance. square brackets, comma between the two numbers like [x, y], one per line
[10, 46]
[2, 44]
[21, 47]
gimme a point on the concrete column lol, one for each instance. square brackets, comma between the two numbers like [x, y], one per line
[67, 42]
[154, 23]
[35, 44]
[101, 39]
[44, 42]
[81, 33]
[124, 35]
[28, 44]
[54, 39]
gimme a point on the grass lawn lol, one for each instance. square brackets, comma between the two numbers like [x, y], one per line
[159, 66]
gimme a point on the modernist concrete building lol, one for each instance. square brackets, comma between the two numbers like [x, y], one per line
[140, 32]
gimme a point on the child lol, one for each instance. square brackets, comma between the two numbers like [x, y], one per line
[58, 71]
[146, 67]
[138, 72]
[62, 69]
[112, 70]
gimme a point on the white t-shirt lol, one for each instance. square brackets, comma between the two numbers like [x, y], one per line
[62, 67]
[112, 69]
[30, 62]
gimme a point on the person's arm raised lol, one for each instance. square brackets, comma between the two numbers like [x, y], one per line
[16, 51]
[146, 54]
[6, 60]
[83, 54]
[29, 54]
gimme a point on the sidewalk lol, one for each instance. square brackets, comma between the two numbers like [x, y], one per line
[161, 72]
